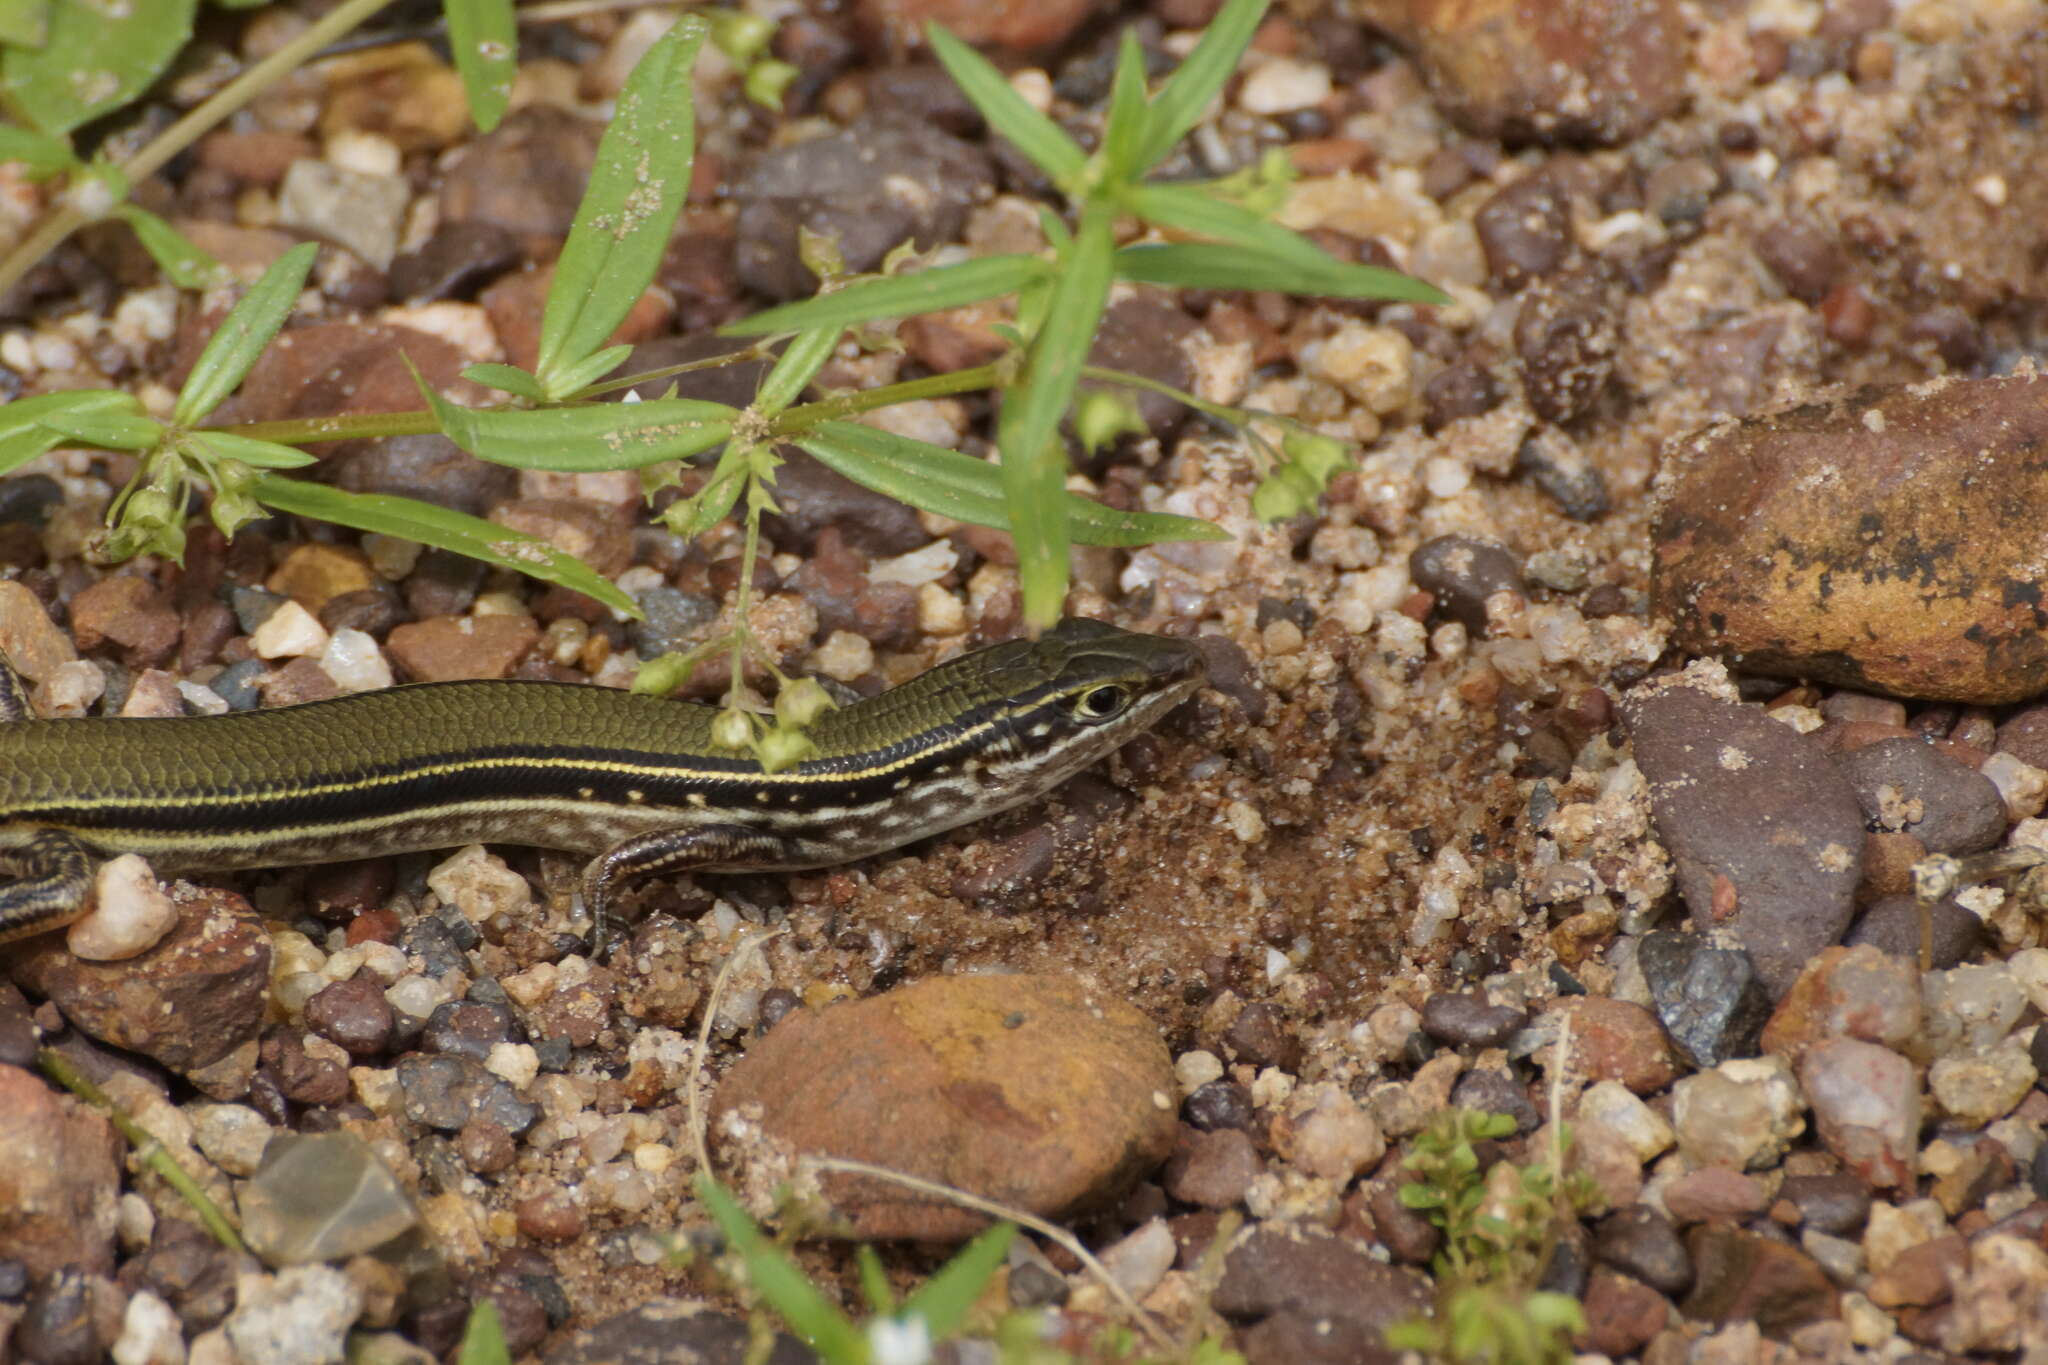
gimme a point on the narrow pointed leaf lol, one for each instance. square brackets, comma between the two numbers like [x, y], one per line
[1027, 429]
[23, 444]
[484, 40]
[112, 429]
[943, 1300]
[183, 264]
[243, 334]
[1041, 140]
[1178, 106]
[637, 188]
[1210, 265]
[510, 378]
[900, 296]
[571, 380]
[795, 368]
[442, 529]
[1123, 131]
[586, 437]
[256, 454]
[949, 484]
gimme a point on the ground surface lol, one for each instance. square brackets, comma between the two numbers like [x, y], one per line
[1446, 799]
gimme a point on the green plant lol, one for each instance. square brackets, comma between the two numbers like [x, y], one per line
[554, 421]
[1499, 1227]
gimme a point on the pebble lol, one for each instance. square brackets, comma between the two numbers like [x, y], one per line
[446, 1092]
[150, 1333]
[1714, 1192]
[1302, 1273]
[299, 1317]
[1891, 924]
[1140, 1259]
[1975, 1090]
[1556, 71]
[1766, 832]
[1615, 1040]
[1462, 573]
[1565, 342]
[130, 913]
[1786, 541]
[355, 663]
[1325, 1133]
[60, 1175]
[458, 259]
[480, 885]
[288, 632]
[1470, 1020]
[447, 648]
[1848, 992]
[353, 1015]
[1970, 1009]
[29, 638]
[1622, 1315]
[361, 212]
[1082, 1080]
[872, 185]
[525, 177]
[1910, 786]
[1281, 85]
[1741, 1114]
[1212, 1169]
[1609, 1105]
[130, 612]
[1746, 1277]
[1642, 1242]
[1709, 999]
[232, 1136]
[1219, 1104]
[1525, 230]
[1837, 1205]
[1866, 1106]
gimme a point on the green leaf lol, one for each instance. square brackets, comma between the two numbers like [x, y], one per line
[183, 264]
[24, 23]
[636, 189]
[226, 445]
[43, 156]
[808, 1312]
[20, 446]
[24, 413]
[96, 58]
[243, 334]
[443, 529]
[1206, 265]
[510, 378]
[900, 296]
[943, 1300]
[1178, 106]
[1042, 141]
[949, 484]
[483, 1337]
[572, 380]
[1123, 129]
[113, 429]
[586, 437]
[1027, 428]
[795, 368]
[484, 40]
[874, 1280]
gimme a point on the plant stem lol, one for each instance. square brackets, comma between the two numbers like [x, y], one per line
[147, 1148]
[298, 431]
[67, 218]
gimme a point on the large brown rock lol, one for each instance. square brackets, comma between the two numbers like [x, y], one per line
[1041, 1092]
[1891, 541]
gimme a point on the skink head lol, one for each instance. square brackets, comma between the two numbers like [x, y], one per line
[1083, 688]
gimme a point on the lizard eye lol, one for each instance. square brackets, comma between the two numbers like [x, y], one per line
[1100, 703]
